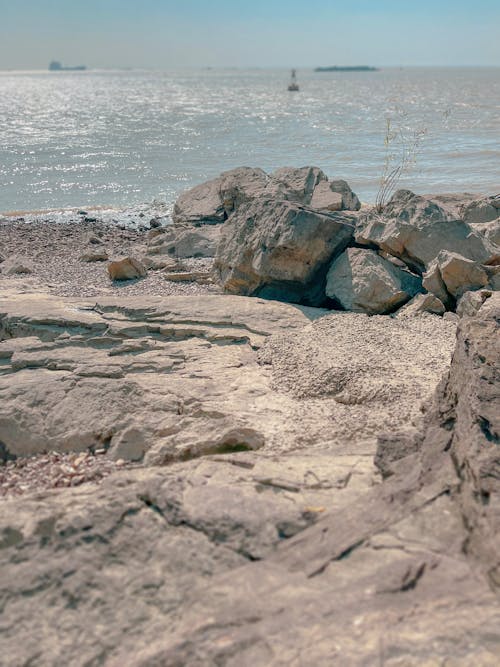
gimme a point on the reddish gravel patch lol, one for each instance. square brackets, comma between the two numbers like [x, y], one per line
[53, 470]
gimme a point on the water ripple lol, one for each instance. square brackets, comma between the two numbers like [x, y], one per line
[115, 138]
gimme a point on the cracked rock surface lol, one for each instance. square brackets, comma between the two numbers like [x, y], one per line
[175, 378]
[270, 537]
[407, 574]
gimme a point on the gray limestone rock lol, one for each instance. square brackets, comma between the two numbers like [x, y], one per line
[334, 196]
[250, 558]
[422, 303]
[213, 201]
[182, 241]
[362, 281]
[163, 379]
[469, 304]
[450, 275]
[433, 282]
[491, 230]
[350, 201]
[480, 211]
[295, 184]
[493, 273]
[166, 379]
[15, 265]
[459, 274]
[419, 552]
[415, 229]
[324, 199]
[107, 567]
[452, 202]
[280, 250]
[394, 446]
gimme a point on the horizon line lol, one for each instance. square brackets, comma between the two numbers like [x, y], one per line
[238, 67]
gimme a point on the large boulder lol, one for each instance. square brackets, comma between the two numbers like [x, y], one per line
[362, 281]
[494, 276]
[465, 423]
[470, 303]
[450, 275]
[452, 202]
[278, 249]
[491, 230]
[334, 196]
[481, 210]
[433, 282]
[350, 201]
[212, 202]
[324, 199]
[295, 183]
[459, 274]
[415, 229]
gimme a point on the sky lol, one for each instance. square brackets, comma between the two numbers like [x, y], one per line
[165, 34]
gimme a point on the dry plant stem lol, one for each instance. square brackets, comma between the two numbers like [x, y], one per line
[409, 145]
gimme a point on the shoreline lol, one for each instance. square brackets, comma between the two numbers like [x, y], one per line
[132, 215]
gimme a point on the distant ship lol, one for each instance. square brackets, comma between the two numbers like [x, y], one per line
[56, 66]
[356, 68]
[293, 86]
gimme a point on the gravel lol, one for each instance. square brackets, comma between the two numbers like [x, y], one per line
[55, 470]
[372, 374]
[54, 250]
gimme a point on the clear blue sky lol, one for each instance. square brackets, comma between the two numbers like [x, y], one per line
[168, 33]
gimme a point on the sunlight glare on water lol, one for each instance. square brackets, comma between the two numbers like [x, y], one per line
[124, 137]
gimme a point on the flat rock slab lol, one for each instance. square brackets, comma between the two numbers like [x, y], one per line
[175, 378]
[406, 575]
[222, 559]
[162, 376]
[107, 567]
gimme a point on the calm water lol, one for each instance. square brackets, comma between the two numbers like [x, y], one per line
[121, 138]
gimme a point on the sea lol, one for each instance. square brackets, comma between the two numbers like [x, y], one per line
[136, 139]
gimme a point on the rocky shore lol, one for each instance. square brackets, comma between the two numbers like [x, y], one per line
[263, 431]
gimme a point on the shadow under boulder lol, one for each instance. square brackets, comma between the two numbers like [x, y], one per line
[280, 250]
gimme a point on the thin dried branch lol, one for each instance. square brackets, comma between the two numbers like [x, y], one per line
[402, 146]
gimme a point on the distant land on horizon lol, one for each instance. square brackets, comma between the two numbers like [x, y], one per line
[347, 68]
[54, 67]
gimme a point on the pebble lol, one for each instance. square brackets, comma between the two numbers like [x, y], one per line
[61, 244]
[57, 269]
[55, 471]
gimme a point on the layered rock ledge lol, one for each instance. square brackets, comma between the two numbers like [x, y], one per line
[236, 480]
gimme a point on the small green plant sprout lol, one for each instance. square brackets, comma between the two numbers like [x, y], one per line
[402, 145]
